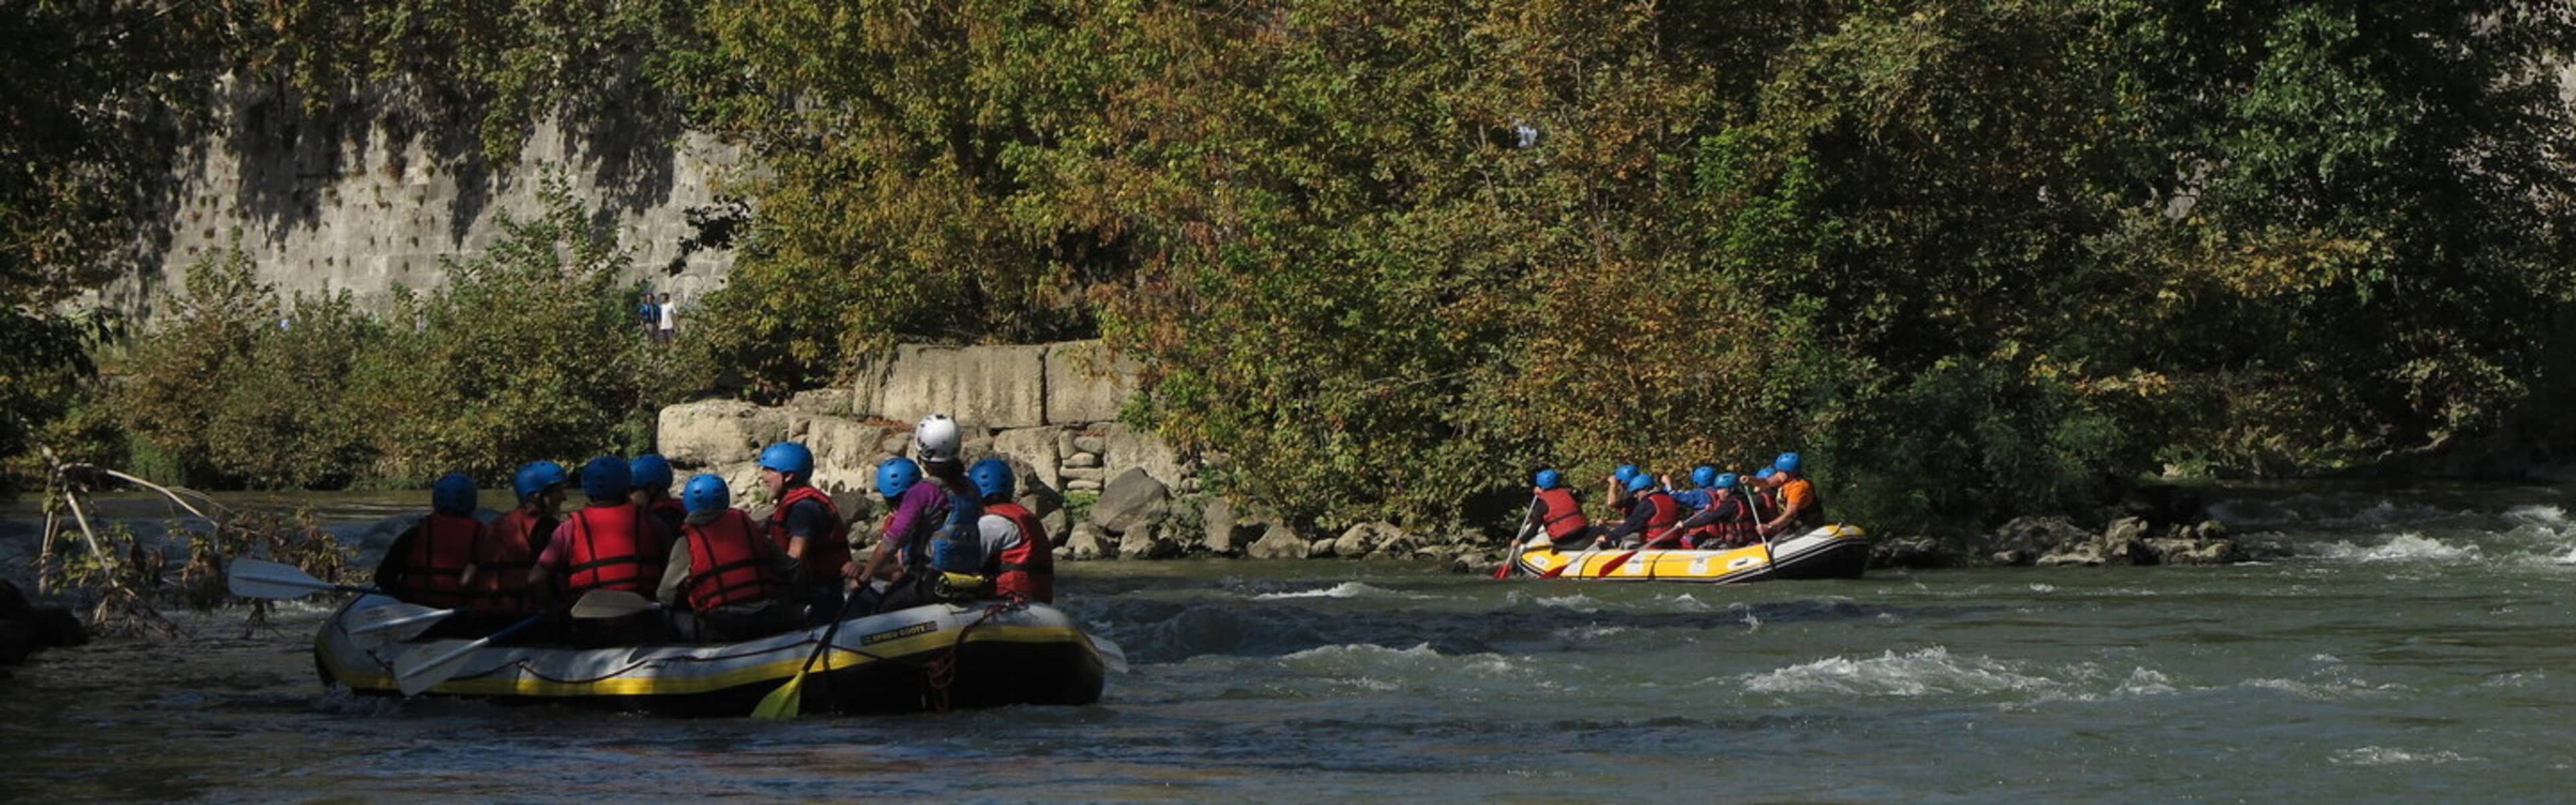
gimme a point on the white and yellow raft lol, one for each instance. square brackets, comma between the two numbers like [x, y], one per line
[1829, 552]
[927, 657]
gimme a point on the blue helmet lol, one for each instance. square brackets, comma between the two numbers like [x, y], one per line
[705, 491]
[1641, 481]
[537, 477]
[992, 478]
[453, 494]
[1703, 475]
[1725, 480]
[651, 472]
[897, 475]
[1549, 479]
[605, 478]
[788, 457]
[1788, 462]
[1766, 473]
[1626, 473]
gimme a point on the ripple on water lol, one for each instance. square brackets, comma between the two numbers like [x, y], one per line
[1347, 589]
[2386, 756]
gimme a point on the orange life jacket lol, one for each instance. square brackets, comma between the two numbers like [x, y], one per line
[1813, 514]
[1026, 569]
[825, 554]
[1564, 516]
[434, 562]
[508, 547]
[610, 551]
[729, 563]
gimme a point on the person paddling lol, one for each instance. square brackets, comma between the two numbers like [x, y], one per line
[807, 529]
[609, 544]
[1801, 508]
[931, 529]
[426, 564]
[1555, 512]
[1651, 512]
[1727, 522]
[1018, 556]
[651, 474]
[507, 550]
[725, 581]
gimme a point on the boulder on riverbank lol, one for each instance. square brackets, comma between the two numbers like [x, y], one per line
[26, 628]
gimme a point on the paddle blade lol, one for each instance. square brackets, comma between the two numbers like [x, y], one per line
[1616, 561]
[611, 604]
[1111, 656]
[786, 701]
[398, 622]
[1504, 571]
[423, 668]
[255, 578]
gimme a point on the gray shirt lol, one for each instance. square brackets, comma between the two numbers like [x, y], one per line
[997, 534]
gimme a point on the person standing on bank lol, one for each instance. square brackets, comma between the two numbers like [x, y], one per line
[670, 324]
[649, 314]
[807, 529]
[725, 581]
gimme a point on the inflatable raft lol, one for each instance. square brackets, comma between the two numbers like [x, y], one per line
[1829, 552]
[923, 658]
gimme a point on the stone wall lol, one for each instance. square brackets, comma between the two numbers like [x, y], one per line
[372, 200]
[1052, 409]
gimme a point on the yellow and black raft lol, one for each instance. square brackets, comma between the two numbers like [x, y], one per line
[925, 658]
[1829, 552]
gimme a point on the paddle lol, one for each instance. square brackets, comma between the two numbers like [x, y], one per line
[789, 699]
[1111, 655]
[256, 578]
[1616, 561]
[612, 604]
[419, 669]
[1512, 549]
[398, 622]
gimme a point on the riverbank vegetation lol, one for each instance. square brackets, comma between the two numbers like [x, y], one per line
[1974, 259]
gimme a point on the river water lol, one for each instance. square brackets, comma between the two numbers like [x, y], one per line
[2420, 645]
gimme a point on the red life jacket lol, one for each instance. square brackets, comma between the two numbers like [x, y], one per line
[1028, 568]
[434, 562]
[1667, 512]
[728, 563]
[611, 552]
[509, 547]
[1564, 516]
[825, 554]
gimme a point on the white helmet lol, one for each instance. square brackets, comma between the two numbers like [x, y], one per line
[935, 439]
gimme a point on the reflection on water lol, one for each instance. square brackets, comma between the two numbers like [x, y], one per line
[2409, 650]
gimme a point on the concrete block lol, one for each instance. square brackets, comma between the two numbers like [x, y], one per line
[717, 432]
[1085, 383]
[1035, 446]
[991, 387]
